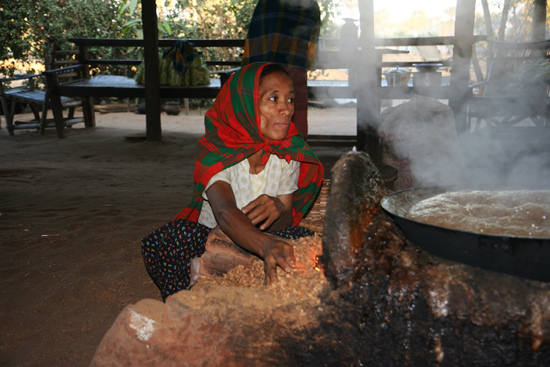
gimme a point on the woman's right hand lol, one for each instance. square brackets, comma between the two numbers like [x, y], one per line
[277, 253]
[264, 209]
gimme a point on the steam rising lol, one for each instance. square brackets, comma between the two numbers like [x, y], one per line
[476, 157]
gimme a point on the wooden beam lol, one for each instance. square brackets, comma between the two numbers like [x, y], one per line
[539, 20]
[368, 101]
[167, 42]
[152, 75]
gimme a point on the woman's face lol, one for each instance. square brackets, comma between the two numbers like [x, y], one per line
[276, 105]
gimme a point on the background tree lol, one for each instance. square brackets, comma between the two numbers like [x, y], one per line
[14, 41]
[26, 26]
[512, 19]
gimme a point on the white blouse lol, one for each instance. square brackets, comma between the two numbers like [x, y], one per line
[277, 178]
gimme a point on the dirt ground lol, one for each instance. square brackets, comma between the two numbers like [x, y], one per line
[72, 213]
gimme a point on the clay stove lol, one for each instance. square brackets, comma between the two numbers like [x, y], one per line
[384, 302]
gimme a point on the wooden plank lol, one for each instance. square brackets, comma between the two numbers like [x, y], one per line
[112, 62]
[137, 62]
[29, 96]
[402, 41]
[329, 43]
[59, 63]
[133, 42]
[66, 52]
[123, 87]
[537, 45]
[332, 140]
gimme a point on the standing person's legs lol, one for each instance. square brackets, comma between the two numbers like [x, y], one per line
[299, 79]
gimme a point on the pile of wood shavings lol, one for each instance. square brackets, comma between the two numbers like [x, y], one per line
[306, 280]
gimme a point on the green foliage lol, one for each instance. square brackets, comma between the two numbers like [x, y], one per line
[14, 43]
[533, 77]
[518, 25]
[329, 13]
[209, 19]
[195, 19]
[26, 26]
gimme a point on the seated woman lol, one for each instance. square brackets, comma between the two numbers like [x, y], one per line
[255, 177]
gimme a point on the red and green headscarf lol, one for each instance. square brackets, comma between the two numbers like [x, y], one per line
[233, 134]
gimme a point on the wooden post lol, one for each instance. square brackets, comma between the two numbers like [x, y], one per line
[462, 56]
[490, 37]
[488, 22]
[368, 101]
[55, 103]
[5, 107]
[539, 20]
[152, 75]
[503, 20]
[87, 102]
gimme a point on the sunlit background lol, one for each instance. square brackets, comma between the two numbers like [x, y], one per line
[406, 18]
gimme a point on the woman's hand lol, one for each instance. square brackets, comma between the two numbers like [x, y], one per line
[266, 209]
[243, 232]
[277, 252]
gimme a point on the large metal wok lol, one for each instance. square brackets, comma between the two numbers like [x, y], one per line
[525, 257]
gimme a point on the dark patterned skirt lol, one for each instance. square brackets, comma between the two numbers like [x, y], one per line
[168, 252]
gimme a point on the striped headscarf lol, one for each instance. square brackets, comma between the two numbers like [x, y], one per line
[233, 134]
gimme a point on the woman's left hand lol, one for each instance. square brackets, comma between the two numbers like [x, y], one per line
[266, 209]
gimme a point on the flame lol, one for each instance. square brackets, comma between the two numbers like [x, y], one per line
[319, 263]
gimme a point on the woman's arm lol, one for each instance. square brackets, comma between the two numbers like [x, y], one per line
[273, 213]
[244, 233]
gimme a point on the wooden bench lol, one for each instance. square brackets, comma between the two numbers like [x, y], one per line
[39, 99]
[86, 87]
[39, 102]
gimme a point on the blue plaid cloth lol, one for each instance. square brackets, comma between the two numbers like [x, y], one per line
[285, 32]
[182, 55]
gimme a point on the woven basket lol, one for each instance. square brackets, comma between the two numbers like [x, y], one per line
[315, 219]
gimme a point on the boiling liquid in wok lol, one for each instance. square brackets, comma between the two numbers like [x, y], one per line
[507, 213]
